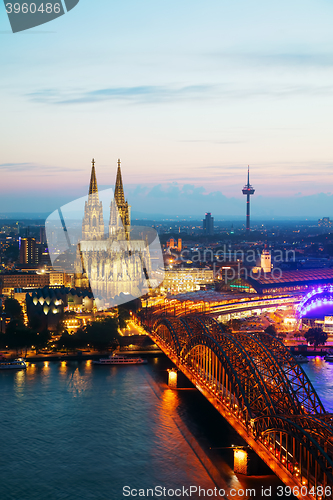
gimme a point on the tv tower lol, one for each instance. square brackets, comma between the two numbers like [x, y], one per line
[248, 190]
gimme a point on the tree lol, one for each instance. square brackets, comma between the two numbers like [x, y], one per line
[271, 330]
[123, 317]
[72, 342]
[102, 334]
[13, 309]
[18, 336]
[315, 336]
[41, 339]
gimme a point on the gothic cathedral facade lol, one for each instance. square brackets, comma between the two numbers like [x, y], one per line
[109, 261]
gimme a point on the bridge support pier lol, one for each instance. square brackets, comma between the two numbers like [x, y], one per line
[241, 461]
[248, 463]
[172, 378]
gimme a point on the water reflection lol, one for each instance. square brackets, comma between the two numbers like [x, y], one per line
[78, 383]
[63, 367]
[320, 372]
[170, 401]
[19, 382]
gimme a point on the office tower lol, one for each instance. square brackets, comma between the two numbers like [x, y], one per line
[42, 235]
[28, 251]
[208, 224]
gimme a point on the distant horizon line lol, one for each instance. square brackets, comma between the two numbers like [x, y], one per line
[137, 216]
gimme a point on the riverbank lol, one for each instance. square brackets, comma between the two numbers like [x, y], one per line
[306, 350]
[80, 355]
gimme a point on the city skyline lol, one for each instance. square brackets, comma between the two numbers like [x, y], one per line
[168, 200]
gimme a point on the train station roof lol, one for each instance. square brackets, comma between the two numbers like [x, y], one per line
[279, 279]
[208, 296]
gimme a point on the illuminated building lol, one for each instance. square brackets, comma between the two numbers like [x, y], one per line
[266, 260]
[28, 251]
[325, 222]
[48, 305]
[223, 305]
[56, 278]
[59, 278]
[265, 263]
[208, 224]
[42, 235]
[72, 324]
[113, 262]
[171, 243]
[22, 280]
[186, 280]
[248, 191]
[29, 280]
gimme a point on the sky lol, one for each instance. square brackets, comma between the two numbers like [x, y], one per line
[186, 93]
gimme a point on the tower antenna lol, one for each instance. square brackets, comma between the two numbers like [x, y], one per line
[248, 190]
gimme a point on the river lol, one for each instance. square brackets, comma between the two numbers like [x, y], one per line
[72, 430]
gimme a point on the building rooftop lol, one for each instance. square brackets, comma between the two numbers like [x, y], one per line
[208, 296]
[291, 278]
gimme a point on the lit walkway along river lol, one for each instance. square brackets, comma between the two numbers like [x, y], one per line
[71, 430]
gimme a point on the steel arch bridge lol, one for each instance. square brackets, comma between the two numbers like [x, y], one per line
[255, 383]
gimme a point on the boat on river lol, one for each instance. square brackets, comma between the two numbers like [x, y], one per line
[329, 355]
[301, 359]
[13, 364]
[116, 359]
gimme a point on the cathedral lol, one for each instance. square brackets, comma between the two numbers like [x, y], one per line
[113, 259]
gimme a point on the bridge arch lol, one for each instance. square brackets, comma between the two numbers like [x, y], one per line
[284, 421]
[317, 303]
[293, 391]
[226, 366]
[165, 328]
[295, 444]
[290, 389]
[298, 381]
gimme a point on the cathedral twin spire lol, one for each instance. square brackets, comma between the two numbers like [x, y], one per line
[122, 205]
[93, 182]
[93, 224]
[119, 190]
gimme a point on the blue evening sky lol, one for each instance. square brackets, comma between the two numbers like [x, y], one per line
[186, 93]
